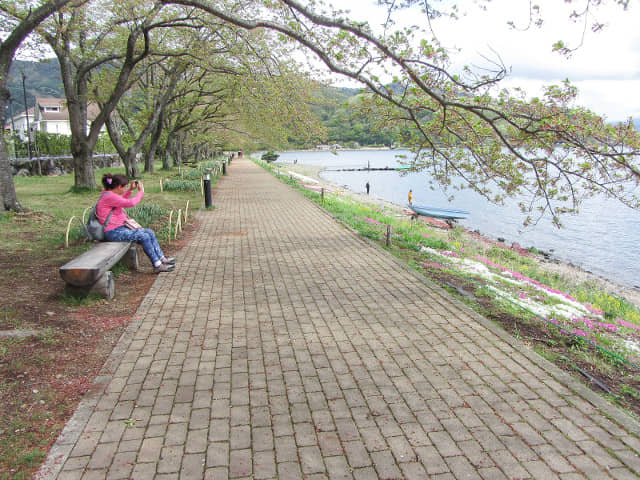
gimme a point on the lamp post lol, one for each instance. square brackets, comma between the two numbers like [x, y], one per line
[13, 128]
[26, 113]
[207, 190]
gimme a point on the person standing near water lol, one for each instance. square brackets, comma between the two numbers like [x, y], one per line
[410, 197]
[367, 186]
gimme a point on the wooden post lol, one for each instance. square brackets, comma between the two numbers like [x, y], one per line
[388, 239]
[322, 195]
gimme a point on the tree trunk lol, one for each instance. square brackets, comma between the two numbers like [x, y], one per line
[8, 195]
[170, 152]
[150, 155]
[131, 164]
[167, 161]
[178, 150]
[127, 155]
[8, 47]
[85, 177]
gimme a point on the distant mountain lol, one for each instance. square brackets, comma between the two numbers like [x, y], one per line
[42, 79]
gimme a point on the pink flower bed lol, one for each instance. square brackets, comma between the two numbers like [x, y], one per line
[519, 276]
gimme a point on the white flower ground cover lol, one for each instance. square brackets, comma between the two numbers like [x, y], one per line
[545, 303]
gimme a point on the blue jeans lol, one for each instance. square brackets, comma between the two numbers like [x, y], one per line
[143, 236]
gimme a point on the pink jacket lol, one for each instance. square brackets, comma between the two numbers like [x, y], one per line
[111, 200]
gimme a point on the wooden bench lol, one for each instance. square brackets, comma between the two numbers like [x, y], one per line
[90, 271]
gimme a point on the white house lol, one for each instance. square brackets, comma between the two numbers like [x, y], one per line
[19, 122]
[50, 115]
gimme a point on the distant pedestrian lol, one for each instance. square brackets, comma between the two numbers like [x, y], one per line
[410, 197]
[367, 186]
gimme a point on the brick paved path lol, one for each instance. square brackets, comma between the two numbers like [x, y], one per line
[285, 347]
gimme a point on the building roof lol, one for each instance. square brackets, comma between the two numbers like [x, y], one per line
[23, 114]
[61, 115]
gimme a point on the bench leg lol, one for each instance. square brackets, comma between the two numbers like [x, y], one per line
[131, 259]
[105, 286]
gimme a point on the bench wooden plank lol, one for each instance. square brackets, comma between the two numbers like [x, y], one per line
[87, 268]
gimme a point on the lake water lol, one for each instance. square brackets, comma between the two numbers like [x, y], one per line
[602, 239]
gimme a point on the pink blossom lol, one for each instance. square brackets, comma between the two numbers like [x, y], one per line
[524, 278]
[594, 310]
[580, 333]
[608, 326]
[523, 295]
[371, 220]
[449, 253]
[432, 265]
[624, 323]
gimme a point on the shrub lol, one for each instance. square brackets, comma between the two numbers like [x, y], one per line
[192, 175]
[181, 185]
[147, 213]
[210, 164]
[269, 156]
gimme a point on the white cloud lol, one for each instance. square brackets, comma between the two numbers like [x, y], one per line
[605, 68]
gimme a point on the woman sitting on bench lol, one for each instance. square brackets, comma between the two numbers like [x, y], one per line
[116, 196]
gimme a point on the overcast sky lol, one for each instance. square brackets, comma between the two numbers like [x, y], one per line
[606, 68]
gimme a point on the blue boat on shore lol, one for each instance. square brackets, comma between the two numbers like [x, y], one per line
[435, 212]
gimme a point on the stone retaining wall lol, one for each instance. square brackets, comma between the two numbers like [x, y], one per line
[59, 165]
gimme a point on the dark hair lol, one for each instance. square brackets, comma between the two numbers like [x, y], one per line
[112, 181]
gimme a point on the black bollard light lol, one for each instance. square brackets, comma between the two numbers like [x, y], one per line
[207, 191]
[224, 168]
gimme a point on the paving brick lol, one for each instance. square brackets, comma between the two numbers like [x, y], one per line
[305, 434]
[329, 444]
[461, 468]
[262, 439]
[240, 437]
[289, 471]
[264, 465]
[286, 449]
[196, 441]
[193, 466]
[218, 454]
[311, 460]
[368, 473]
[386, 465]
[241, 464]
[170, 459]
[102, 456]
[176, 434]
[414, 471]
